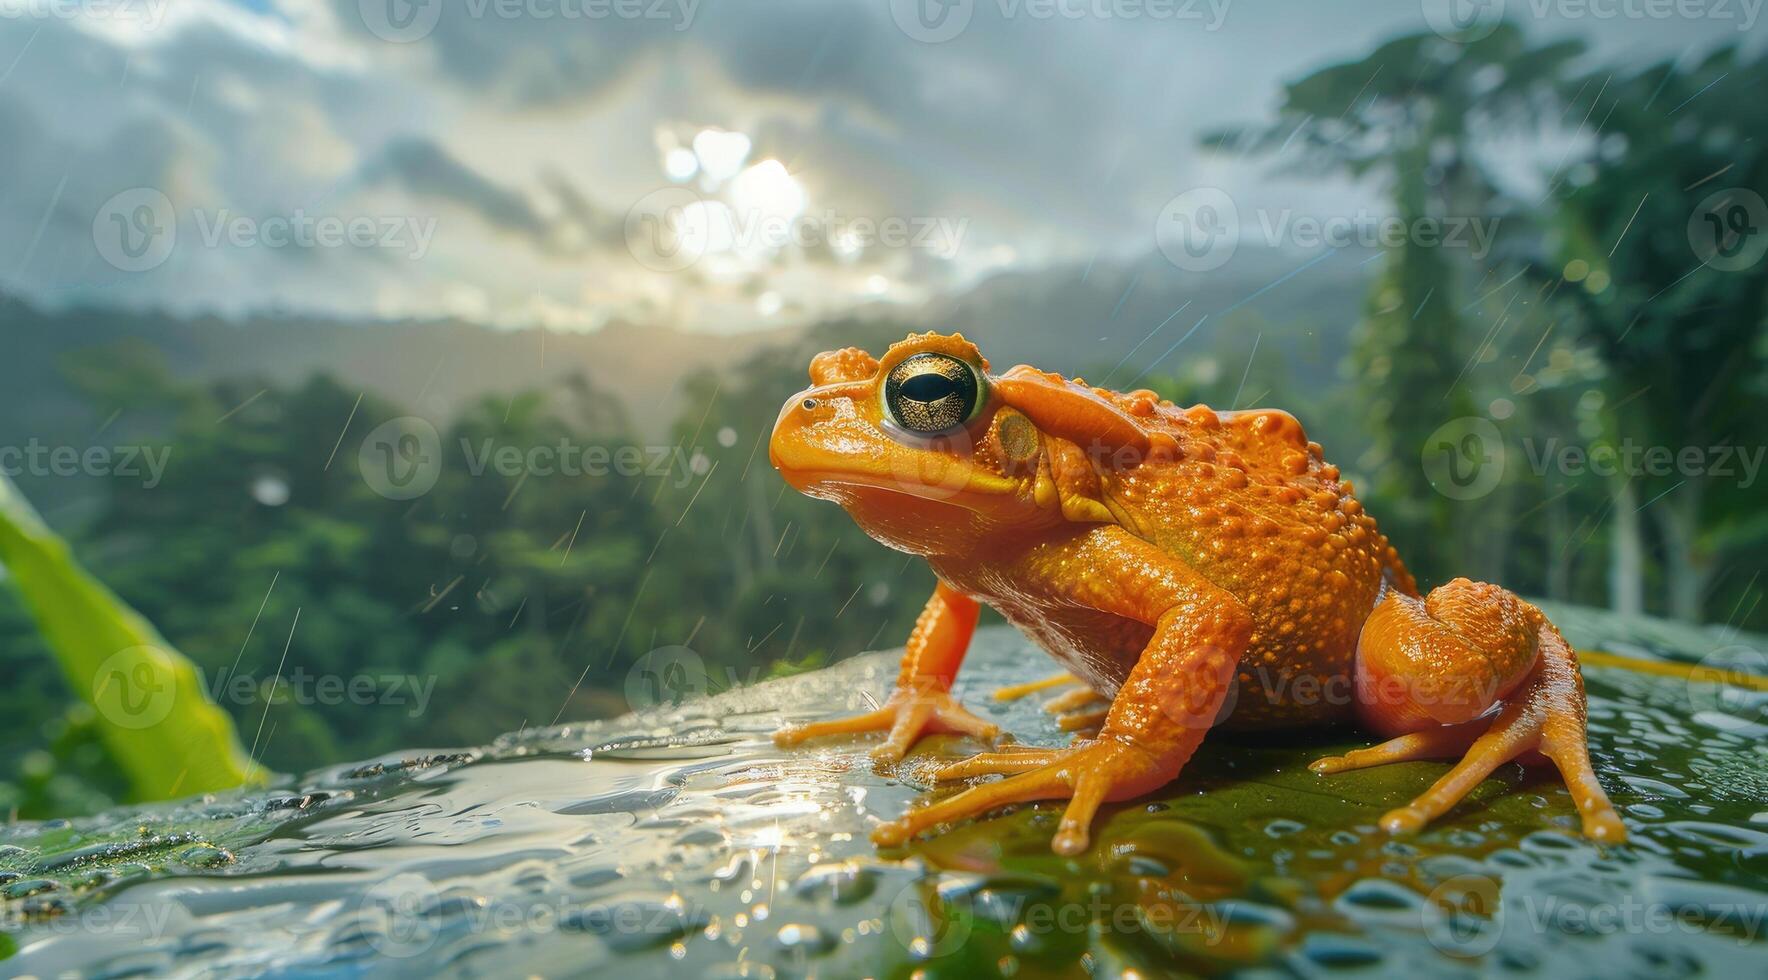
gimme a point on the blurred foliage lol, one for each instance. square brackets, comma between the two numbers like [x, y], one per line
[500, 600]
[151, 713]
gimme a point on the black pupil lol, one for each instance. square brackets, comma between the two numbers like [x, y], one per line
[928, 387]
[931, 393]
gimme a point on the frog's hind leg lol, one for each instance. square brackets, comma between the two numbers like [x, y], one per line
[1429, 670]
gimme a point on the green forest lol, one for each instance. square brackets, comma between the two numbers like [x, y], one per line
[1621, 313]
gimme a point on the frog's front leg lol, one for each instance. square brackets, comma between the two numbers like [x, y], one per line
[1427, 671]
[921, 703]
[1160, 714]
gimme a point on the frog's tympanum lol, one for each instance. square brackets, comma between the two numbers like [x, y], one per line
[1195, 567]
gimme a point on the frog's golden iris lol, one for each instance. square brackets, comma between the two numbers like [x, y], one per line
[931, 393]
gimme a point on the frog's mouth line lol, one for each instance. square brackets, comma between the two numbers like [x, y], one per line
[974, 485]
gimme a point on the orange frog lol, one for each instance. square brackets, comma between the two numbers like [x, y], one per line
[1195, 567]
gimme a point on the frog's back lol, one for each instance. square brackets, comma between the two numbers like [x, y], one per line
[1246, 500]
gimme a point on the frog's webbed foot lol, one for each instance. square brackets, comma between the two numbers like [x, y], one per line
[910, 713]
[1542, 717]
[1086, 775]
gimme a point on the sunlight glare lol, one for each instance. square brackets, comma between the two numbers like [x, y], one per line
[721, 153]
[766, 190]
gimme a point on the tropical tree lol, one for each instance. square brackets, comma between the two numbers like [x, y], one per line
[1656, 259]
[1409, 116]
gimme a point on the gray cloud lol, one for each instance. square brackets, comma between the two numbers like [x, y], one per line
[527, 138]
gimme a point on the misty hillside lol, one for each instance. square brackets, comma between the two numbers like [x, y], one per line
[435, 368]
[1073, 319]
[1076, 319]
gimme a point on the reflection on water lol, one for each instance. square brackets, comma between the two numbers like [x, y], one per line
[684, 843]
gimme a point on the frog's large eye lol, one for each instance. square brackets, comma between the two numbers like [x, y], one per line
[929, 393]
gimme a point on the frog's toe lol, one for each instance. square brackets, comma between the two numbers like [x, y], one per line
[998, 764]
[1082, 720]
[1045, 782]
[951, 715]
[1431, 743]
[1087, 776]
[871, 721]
[910, 713]
[1014, 692]
[1073, 701]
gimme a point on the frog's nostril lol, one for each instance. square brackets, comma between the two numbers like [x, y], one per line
[809, 404]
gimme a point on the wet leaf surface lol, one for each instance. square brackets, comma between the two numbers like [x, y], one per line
[682, 842]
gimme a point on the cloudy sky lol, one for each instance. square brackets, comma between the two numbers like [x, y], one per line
[711, 164]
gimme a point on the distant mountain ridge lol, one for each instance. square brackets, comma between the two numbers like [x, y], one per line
[434, 368]
[1073, 319]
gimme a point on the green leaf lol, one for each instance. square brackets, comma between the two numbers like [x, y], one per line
[156, 720]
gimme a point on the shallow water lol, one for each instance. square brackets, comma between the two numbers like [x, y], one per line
[681, 842]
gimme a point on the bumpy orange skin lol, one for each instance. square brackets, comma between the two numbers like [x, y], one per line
[1197, 567]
